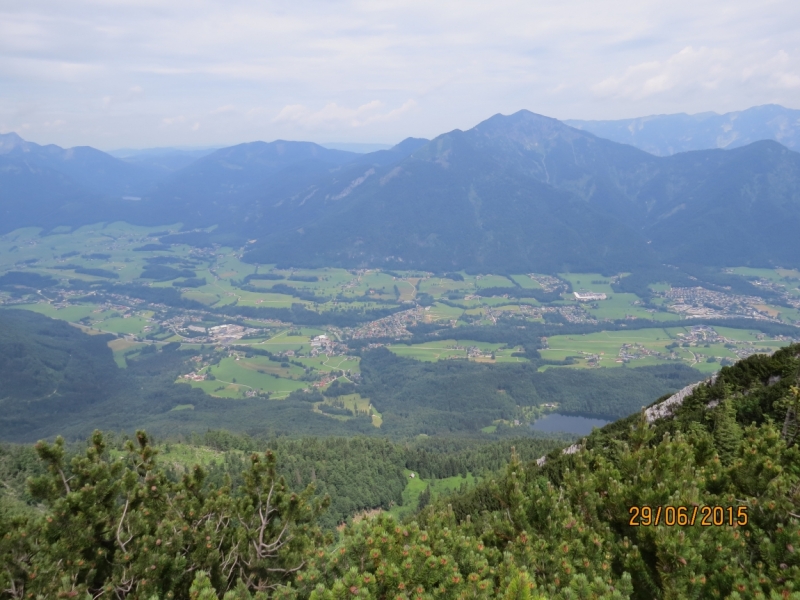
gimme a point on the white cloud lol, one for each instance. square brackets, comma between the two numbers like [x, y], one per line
[703, 72]
[781, 71]
[347, 70]
[689, 68]
[333, 115]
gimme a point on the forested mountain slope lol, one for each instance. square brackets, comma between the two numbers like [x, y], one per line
[528, 192]
[704, 503]
[44, 361]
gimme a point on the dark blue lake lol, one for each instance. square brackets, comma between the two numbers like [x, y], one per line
[555, 422]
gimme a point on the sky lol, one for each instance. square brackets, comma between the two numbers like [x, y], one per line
[149, 73]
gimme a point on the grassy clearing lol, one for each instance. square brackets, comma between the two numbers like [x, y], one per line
[594, 282]
[456, 349]
[235, 376]
[354, 402]
[490, 281]
[186, 456]
[119, 347]
[415, 486]
[524, 281]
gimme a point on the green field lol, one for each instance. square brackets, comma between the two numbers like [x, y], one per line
[235, 376]
[323, 362]
[442, 312]
[605, 349]
[524, 281]
[450, 349]
[416, 486]
[353, 402]
[594, 282]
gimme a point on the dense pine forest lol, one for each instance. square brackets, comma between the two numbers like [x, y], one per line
[719, 472]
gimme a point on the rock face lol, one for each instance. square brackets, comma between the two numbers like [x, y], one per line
[662, 410]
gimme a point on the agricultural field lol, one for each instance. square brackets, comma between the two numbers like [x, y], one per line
[235, 376]
[704, 348]
[442, 312]
[525, 281]
[623, 306]
[458, 349]
[332, 363]
[491, 281]
[589, 282]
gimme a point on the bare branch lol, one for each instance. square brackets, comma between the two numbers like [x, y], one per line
[119, 526]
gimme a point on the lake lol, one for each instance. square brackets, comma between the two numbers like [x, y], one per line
[555, 422]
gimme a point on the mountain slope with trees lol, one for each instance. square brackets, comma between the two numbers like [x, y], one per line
[572, 528]
[526, 192]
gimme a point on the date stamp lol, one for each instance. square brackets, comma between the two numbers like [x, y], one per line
[687, 516]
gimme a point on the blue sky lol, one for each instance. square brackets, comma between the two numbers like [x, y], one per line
[143, 73]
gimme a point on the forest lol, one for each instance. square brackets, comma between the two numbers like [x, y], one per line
[114, 518]
[453, 395]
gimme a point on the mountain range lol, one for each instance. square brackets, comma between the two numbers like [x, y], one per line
[664, 135]
[515, 193]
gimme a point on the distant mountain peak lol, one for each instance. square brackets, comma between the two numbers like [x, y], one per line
[11, 141]
[526, 129]
[664, 135]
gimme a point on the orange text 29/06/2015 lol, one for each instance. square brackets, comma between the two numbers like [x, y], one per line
[683, 516]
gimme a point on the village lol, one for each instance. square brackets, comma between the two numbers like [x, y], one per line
[394, 326]
[698, 302]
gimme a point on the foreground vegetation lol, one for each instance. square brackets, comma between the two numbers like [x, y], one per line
[113, 525]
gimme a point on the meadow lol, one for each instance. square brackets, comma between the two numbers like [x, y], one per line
[438, 488]
[646, 347]
[457, 349]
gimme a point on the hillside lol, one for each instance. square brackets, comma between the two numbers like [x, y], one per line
[664, 135]
[526, 192]
[48, 365]
[516, 193]
[701, 503]
[95, 171]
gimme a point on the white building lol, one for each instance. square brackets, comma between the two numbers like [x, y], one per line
[589, 296]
